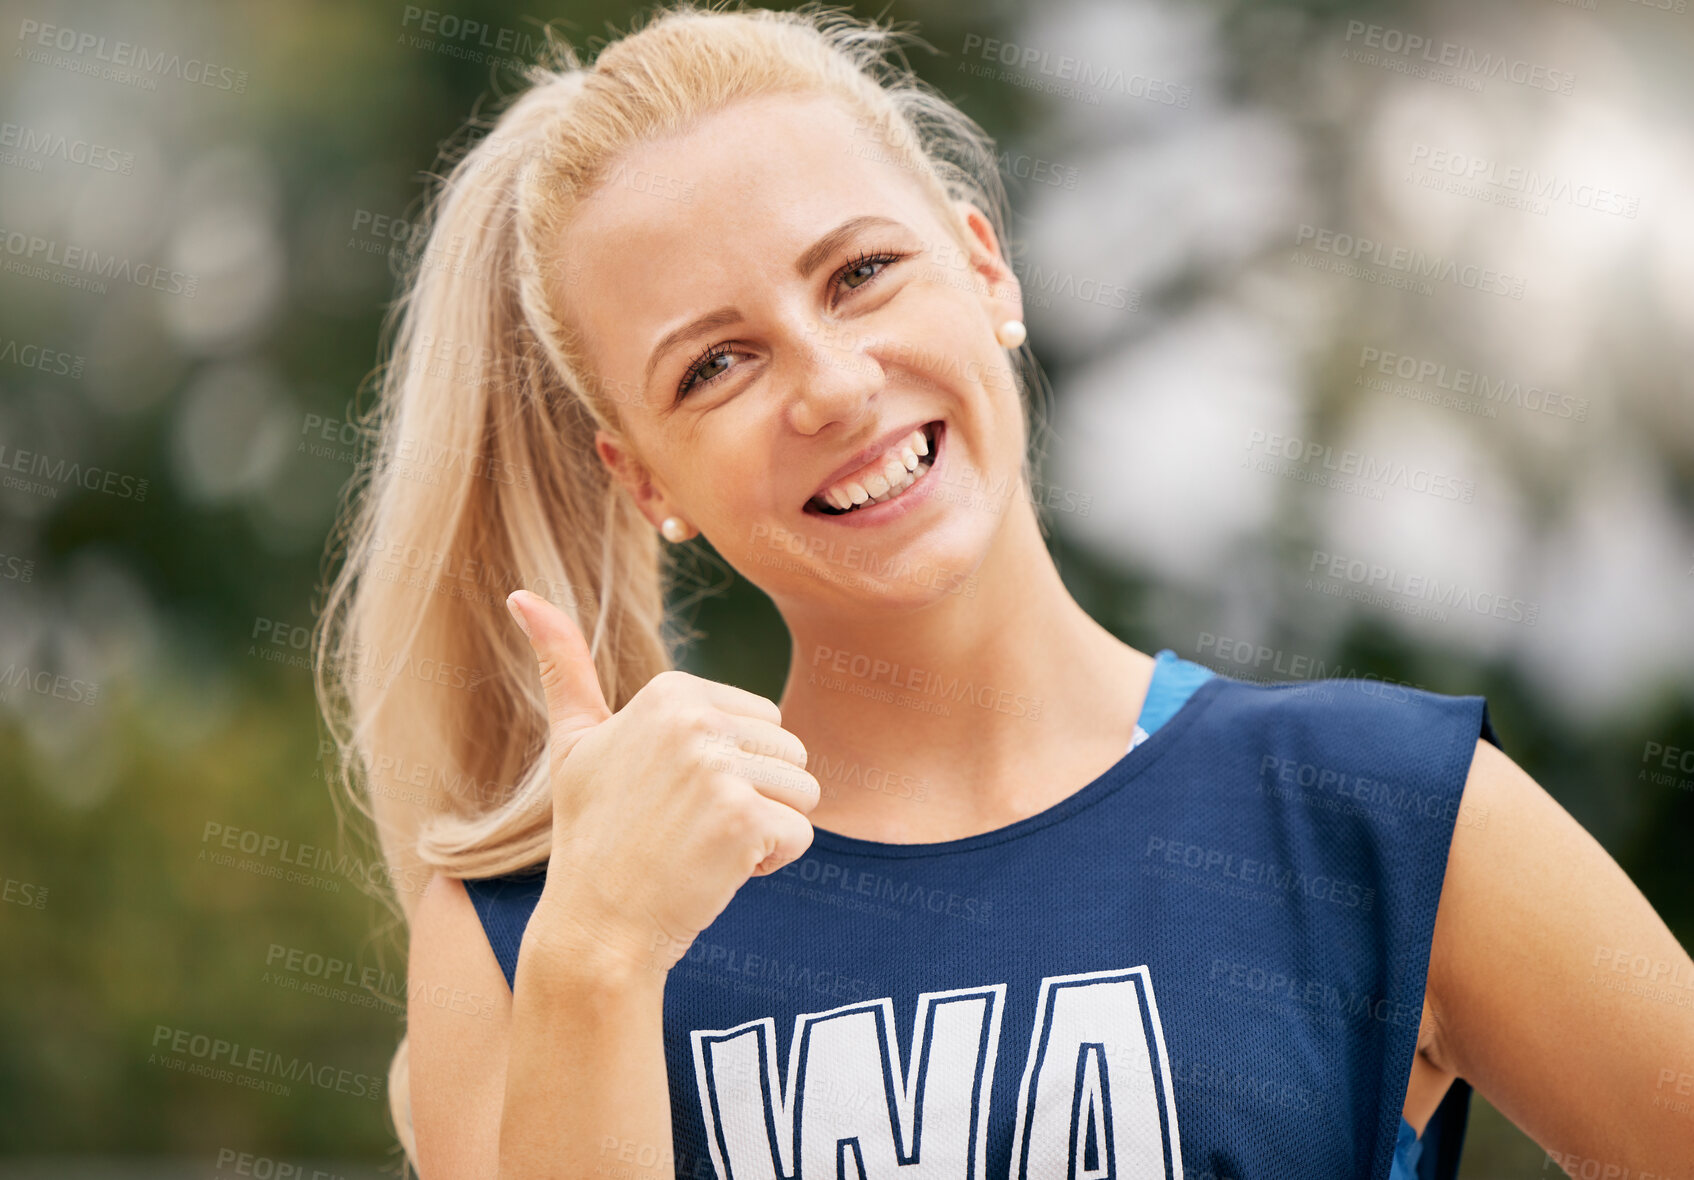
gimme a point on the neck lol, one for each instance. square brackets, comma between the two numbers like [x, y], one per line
[969, 713]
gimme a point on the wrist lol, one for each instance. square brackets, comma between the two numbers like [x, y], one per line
[566, 943]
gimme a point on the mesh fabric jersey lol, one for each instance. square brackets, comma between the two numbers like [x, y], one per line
[1209, 962]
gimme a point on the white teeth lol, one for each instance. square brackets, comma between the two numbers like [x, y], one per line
[902, 465]
[861, 497]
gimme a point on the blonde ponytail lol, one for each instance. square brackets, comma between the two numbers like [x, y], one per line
[482, 474]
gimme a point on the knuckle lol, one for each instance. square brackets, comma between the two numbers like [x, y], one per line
[743, 821]
[726, 788]
[750, 745]
[704, 719]
[561, 739]
[809, 793]
[697, 728]
[685, 683]
[551, 675]
[665, 685]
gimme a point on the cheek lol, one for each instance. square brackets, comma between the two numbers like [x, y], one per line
[728, 469]
[943, 323]
[951, 344]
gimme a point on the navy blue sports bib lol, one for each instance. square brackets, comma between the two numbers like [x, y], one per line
[1207, 963]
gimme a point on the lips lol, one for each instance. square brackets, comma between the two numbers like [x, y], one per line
[868, 454]
[880, 473]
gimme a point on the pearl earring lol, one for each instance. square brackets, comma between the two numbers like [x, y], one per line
[675, 531]
[1011, 334]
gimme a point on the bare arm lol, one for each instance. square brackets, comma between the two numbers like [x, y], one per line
[1527, 1000]
[457, 1064]
[565, 1079]
[586, 1085]
[659, 814]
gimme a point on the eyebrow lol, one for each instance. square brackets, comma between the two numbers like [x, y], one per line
[834, 239]
[712, 319]
[814, 256]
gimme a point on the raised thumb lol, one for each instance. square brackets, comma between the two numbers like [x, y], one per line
[575, 703]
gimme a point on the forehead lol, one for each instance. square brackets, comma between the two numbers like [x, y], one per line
[689, 223]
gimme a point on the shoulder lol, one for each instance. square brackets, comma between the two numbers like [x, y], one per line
[1364, 695]
[458, 1016]
[1514, 854]
[445, 920]
[1534, 986]
[1525, 884]
[1360, 717]
[450, 954]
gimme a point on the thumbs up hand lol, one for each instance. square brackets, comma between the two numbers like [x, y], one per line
[662, 810]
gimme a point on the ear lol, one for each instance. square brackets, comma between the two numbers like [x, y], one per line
[628, 471]
[989, 263]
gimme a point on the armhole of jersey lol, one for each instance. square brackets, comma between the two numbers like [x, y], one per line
[503, 905]
[1488, 728]
[1443, 1137]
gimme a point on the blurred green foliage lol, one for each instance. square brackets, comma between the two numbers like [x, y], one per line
[139, 930]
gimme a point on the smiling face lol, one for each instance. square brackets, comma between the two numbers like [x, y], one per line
[785, 323]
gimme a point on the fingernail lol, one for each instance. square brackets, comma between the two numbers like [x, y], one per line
[511, 605]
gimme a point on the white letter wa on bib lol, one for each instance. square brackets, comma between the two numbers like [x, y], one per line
[1095, 1100]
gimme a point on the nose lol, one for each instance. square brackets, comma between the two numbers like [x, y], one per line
[835, 375]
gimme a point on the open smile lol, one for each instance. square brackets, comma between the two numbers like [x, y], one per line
[894, 477]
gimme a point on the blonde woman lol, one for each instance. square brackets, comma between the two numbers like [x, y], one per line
[988, 893]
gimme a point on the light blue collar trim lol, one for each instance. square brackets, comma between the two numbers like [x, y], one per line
[1174, 681]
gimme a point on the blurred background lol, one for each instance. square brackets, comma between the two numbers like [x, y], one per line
[1370, 330]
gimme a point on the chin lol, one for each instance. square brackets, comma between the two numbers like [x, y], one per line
[858, 575]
